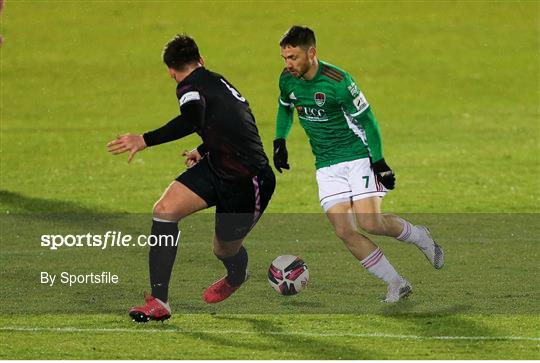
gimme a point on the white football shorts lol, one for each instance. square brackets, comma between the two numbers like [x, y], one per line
[347, 181]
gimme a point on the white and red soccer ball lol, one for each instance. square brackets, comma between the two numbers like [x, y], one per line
[288, 274]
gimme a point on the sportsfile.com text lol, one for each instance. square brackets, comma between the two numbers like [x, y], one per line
[108, 239]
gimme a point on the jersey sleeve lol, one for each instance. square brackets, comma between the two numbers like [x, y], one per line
[192, 103]
[175, 129]
[192, 109]
[354, 103]
[187, 93]
[285, 112]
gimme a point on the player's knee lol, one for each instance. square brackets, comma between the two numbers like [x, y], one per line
[345, 233]
[164, 210]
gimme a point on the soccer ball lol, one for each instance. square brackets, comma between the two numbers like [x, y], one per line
[288, 274]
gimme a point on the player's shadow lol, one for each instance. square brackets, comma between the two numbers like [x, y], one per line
[24, 204]
[272, 337]
[50, 212]
[451, 321]
[405, 308]
[17, 207]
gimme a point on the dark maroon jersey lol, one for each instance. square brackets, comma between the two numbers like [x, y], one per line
[226, 126]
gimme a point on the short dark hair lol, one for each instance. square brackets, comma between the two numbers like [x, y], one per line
[181, 51]
[298, 36]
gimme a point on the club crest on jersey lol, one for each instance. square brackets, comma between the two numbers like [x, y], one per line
[320, 98]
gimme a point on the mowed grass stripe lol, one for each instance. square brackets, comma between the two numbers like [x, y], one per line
[246, 332]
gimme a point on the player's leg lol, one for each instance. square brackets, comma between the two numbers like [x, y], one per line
[335, 198]
[342, 220]
[371, 220]
[335, 193]
[177, 202]
[366, 251]
[367, 195]
[234, 257]
[239, 209]
[187, 195]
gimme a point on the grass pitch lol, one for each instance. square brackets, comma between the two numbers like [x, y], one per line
[455, 89]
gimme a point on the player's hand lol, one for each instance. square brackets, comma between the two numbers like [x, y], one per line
[281, 155]
[127, 142]
[192, 157]
[384, 174]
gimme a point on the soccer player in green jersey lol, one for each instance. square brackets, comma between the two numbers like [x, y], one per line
[352, 174]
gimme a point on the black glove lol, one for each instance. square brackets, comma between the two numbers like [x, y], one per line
[280, 155]
[384, 174]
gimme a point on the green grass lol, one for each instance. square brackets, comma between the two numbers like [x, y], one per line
[273, 337]
[455, 87]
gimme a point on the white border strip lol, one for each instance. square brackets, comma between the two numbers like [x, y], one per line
[246, 332]
[284, 103]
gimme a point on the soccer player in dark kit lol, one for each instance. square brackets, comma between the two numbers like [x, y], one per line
[229, 170]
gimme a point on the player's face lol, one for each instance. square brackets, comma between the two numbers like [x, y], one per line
[298, 61]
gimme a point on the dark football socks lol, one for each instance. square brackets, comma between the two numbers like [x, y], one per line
[161, 257]
[236, 267]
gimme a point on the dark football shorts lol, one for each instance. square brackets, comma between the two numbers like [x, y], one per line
[239, 203]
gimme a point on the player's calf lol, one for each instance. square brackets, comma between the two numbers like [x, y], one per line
[371, 223]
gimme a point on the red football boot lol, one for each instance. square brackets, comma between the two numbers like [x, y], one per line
[219, 291]
[154, 309]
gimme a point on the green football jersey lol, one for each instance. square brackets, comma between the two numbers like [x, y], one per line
[334, 113]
